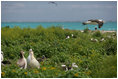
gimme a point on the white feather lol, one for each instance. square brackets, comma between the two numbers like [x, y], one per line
[74, 65]
[92, 23]
[31, 61]
[67, 37]
[2, 58]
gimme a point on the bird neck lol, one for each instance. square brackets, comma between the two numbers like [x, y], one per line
[32, 55]
[21, 55]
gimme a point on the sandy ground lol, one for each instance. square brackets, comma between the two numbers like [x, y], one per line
[107, 31]
[102, 31]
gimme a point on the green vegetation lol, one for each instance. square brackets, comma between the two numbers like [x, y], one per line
[94, 59]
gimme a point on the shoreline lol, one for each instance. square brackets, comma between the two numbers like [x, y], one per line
[108, 31]
[102, 31]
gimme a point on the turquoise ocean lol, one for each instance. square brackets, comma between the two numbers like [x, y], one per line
[66, 25]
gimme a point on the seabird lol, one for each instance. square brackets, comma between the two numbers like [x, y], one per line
[95, 22]
[52, 2]
[72, 35]
[2, 56]
[2, 59]
[42, 59]
[31, 60]
[74, 65]
[94, 40]
[102, 40]
[64, 67]
[22, 63]
[67, 37]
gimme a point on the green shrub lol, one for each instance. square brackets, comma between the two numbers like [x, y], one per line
[106, 68]
[110, 46]
[86, 30]
[90, 56]
[97, 34]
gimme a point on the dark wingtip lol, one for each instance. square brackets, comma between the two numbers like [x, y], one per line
[84, 23]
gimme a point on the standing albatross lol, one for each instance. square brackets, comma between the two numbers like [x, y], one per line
[94, 22]
[22, 63]
[31, 60]
[2, 56]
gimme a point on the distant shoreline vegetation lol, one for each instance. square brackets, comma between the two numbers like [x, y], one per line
[108, 26]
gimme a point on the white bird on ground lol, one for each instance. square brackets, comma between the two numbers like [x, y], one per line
[102, 40]
[31, 60]
[22, 63]
[91, 39]
[64, 67]
[74, 65]
[82, 31]
[72, 35]
[94, 40]
[67, 37]
[2, 58]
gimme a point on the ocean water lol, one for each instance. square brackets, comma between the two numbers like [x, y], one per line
[65, 25]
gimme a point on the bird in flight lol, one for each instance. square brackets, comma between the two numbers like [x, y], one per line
[52, 2]
[94, 22]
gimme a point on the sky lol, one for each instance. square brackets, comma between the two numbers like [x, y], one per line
[43, 11]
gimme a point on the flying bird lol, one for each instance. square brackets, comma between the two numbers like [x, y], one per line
[52, 2]
[94, 22]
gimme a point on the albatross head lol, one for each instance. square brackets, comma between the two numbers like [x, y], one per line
[101, 20]
[22, 52]
[31, 52]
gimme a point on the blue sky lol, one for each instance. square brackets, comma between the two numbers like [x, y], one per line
[38, 11]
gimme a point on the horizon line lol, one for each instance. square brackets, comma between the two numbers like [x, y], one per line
[53, 21]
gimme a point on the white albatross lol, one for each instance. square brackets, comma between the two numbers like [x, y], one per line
[31, 60]
[67, 37]
[2, 56]
[22, 62]
[94, 22]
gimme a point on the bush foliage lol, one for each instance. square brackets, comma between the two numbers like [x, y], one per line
[94, 59]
